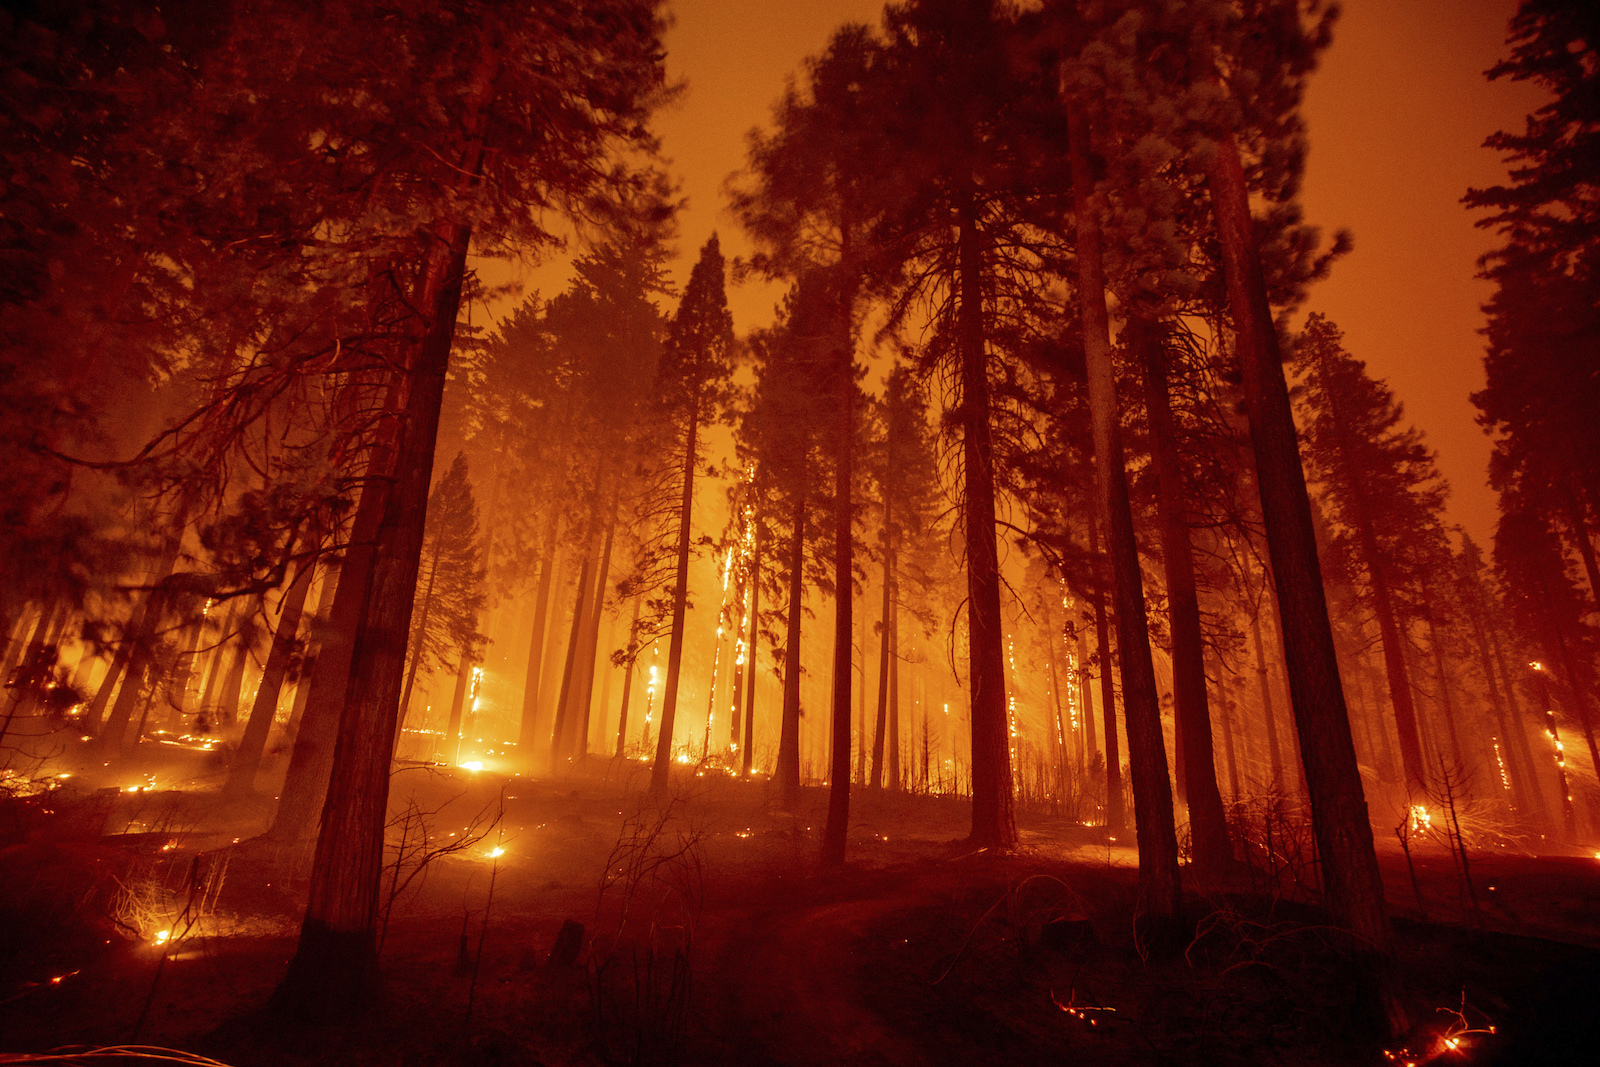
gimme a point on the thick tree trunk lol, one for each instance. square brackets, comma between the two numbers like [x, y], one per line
[788, 768]
[660, 774]
[1208, 824]
[1343, 832]
[247, 760]
[836, 832]
[528, 733]
[335, 967]
[994, 823]
[1154, 828]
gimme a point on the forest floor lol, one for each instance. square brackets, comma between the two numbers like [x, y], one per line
[155, 916]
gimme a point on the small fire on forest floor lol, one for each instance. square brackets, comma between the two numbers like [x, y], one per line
[711, 934]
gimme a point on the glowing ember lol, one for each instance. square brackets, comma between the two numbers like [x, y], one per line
[1421, 821]
[472, 765]
[496, 852]
[163, 936]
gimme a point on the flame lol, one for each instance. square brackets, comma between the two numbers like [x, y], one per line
[472, 765]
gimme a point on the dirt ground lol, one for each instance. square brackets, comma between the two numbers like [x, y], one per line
[711, 936]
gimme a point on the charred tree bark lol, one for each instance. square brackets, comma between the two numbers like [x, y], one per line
[1147, 757]
[1208, 824]
[1340, 824]
[994, 822]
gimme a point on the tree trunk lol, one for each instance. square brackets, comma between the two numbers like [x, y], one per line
[1116, 806]
[1208, 824]
[419, 638]
[750, 681]
[1519, 731]
[1343, 832]
[879, 733]
[560, 740]
[1147, 757]
[335, 967]
[1088, 744]
[591, 642]
[1525, 793]
[528, 734]
[247, 760]
[896, 775]
[836, 832]
[661, 772]
[627, 686]
[305, 784]
[458, 701]
[314, 632]
[994, 822]
[133, 655]
[788, 768]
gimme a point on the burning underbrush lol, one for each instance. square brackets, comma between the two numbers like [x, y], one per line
[577, 921]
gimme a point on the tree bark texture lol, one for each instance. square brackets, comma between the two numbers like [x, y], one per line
[1153, 819]
[994, 822]
[1208, 824]
[1340, 823]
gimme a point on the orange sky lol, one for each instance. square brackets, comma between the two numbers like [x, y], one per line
[1396, 117]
